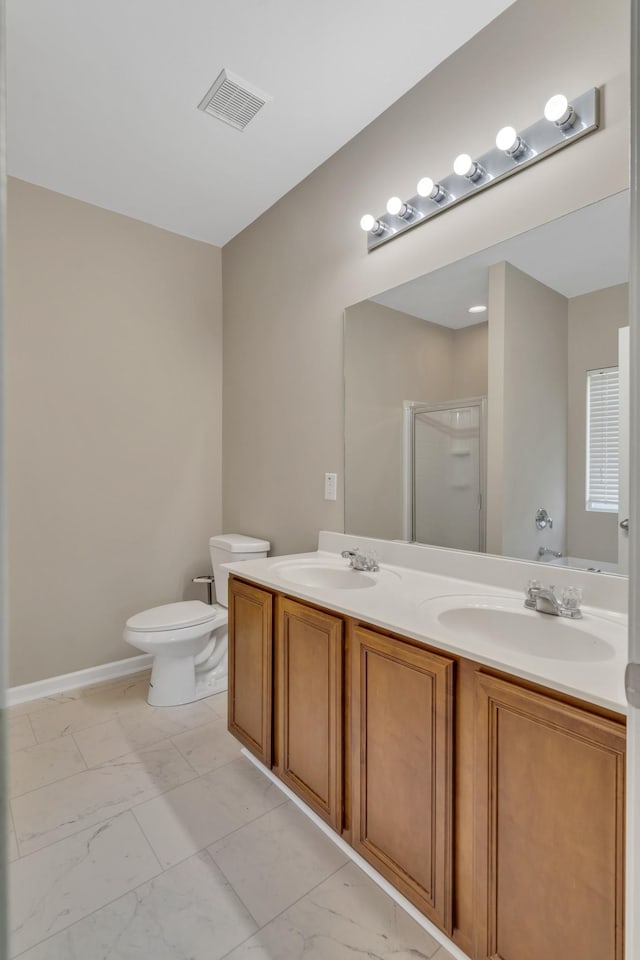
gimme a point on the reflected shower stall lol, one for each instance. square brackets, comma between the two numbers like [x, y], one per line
[444, 473]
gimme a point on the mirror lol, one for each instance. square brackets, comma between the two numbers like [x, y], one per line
[421, 464]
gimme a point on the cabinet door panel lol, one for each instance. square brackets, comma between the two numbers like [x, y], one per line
[549, 828]
[310, 704]
[402, 752]
[250, 667]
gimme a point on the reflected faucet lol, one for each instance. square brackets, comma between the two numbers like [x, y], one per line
[548, 552]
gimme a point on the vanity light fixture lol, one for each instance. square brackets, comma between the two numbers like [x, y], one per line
[563, 123]
[510, 143]
[398, 208]
[370, 225]
[558, 110]
[429, 188]
[464, 166]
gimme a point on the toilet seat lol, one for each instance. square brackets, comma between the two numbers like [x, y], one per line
[176, 616]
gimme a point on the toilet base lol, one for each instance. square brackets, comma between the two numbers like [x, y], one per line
[179, 680]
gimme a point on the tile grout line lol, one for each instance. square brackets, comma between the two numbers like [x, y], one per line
[163, 870]
[33, 733]
[105, 763]
[87, 826]
[186, 758]
[13, 750]
[116, 716]
[38, 704]
[224, 836]
[80, 700]
[108, 903]
[278, 915]
[82, 756]
[9, 815]
[48, 703]
[131, 807]
[98, 766]
[50, 783]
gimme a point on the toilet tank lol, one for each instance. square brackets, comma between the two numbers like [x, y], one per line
[229, 548]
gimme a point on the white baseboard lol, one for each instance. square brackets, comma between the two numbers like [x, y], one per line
[80, 678]
[454, 951]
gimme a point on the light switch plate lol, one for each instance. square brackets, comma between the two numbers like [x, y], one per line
[330, 486]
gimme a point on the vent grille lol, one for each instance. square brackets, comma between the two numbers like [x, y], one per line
[233, 100]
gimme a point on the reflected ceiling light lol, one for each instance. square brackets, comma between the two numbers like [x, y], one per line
[464, 166]
[398, 208]
[558, 110]
[370, 225]
[510, 143]
[479, 308]
[429, 188]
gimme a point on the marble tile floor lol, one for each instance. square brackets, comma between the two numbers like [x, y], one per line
[141, 833]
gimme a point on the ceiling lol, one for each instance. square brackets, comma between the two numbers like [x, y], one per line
[102, 96]
[584, 251]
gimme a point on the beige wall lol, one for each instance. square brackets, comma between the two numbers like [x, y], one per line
[527, 420]
[288, 277]
[114, 341]
[391, 357]
[470, 346]
[594, 320]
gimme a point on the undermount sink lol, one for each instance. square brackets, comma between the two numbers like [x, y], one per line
[506, 623]
[328, 574]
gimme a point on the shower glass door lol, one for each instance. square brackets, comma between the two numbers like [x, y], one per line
[446, 483]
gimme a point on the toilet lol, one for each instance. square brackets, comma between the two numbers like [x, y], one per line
[188, 640]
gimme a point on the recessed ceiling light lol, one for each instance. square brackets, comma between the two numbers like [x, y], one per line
[480, 308]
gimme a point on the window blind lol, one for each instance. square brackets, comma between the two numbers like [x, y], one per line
[603, 460]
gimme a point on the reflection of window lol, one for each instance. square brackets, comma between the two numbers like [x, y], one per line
[602, 440]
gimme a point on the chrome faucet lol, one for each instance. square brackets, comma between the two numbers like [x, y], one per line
[361, 561]
[544, 600]
[548, 552]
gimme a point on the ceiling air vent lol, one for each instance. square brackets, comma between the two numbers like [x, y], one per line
[233, 100]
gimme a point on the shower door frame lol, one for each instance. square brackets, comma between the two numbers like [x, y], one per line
[410, 408]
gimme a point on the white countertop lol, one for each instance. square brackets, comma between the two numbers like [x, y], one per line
[400, 602]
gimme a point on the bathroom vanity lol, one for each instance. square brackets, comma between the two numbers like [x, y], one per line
[487, 787]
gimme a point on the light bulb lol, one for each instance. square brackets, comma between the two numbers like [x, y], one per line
[559, 111]
[400, 208]
[371, 225]
[509, 142]
[464, 166]
[506, 138]
[428, 188]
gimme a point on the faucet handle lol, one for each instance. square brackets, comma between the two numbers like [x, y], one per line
[571, 598]
[533, 589]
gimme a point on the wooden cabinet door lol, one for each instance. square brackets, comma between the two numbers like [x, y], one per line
[402, 761]
[250, 667]
[309, 691]
[549, 828]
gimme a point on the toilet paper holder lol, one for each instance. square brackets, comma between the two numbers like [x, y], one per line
[209, 580]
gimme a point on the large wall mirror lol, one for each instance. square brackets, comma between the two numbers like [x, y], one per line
[504, 430]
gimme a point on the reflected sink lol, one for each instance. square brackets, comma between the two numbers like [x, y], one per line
[506, 623]
[328, 574]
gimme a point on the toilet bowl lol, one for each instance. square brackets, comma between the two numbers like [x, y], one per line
[188, 639]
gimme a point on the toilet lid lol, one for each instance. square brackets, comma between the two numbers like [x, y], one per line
[171, 616]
